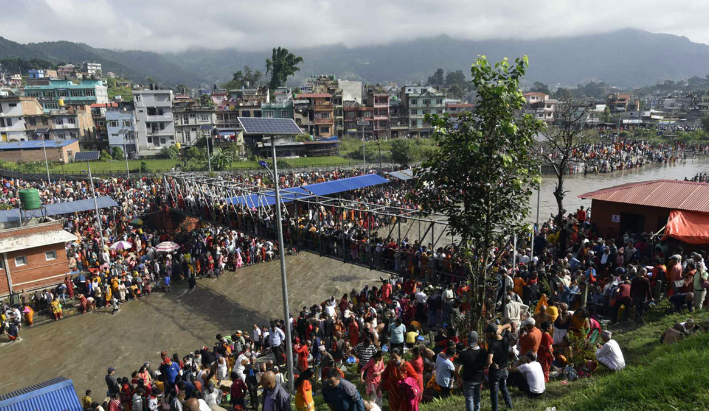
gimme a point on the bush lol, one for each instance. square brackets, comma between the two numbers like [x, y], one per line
[117, 153]
[144, 167]
[170, 152]
[105, 156]
[402, 152]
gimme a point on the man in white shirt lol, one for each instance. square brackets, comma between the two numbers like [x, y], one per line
[528, 376]
[609, 353]
[257, 338]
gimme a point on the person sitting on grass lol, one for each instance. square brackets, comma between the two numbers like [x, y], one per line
[609, 353]
[528, 375]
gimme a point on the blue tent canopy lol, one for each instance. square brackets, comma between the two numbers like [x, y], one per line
[56, 394]
[298, 193]
[68, 207]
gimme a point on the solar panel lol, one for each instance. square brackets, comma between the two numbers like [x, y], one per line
[86, 155]
[269, 126]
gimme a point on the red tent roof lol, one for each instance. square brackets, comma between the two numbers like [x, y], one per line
[673, 194]
[689, 227]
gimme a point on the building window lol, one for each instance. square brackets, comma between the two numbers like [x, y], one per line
[50, 255]
[439, 101]
[72, 120]
[61, 136]
[150, 140]
[126, 123]
[32, 121]
[284, 114]
[20, 261]
[203, 117]
[268, 113]
[57, 121]
[414, 102]
[13, 104]
[44, 122]
[113, 123]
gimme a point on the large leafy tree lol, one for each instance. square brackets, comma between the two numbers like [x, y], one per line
[437, 79]
[483, 174]
[402, 151]
[281, 65]
[244, 79]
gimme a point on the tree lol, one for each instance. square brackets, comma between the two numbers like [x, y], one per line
[457, 77]
[281, 65]
[205, 100]
[606, 117]
[402, 152]
[437, 78]
[705, 122]
[244, 79]
[221, 159]
[105, 156]
[541, 88]
[560, 142]
[482, 175]
[170, 152]
[455, 91]
[182, 89]
[117, 153]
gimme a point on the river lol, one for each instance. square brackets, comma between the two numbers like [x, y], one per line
[578, 184]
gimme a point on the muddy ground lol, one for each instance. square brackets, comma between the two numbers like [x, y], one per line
[84, 346]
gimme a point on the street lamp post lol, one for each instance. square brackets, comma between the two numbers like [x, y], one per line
[209, 159]
[281, 250]
[98, 216]
[46, 163]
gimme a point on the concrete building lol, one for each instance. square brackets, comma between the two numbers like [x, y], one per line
[32, 151]
[456, 109]
[120, 128]
[68, 123]
[33, 257]
[35, 73]
[378, 101]
[540, 106]
[620, 103]
[351, 90]
[154, 121]
[277, 110]
[399, 118]
[67, 70]
[100, 132]
[321, 112]
[51, 92]
[193, 122]
[13, 110]
[91, 68]
[283, 94]
[419, 101]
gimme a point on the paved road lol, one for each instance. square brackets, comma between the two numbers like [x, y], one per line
[82, 347]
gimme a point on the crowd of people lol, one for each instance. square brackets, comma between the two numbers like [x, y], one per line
[699, 178]
[557, 291]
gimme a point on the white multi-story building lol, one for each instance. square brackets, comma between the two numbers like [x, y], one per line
[540, 106]
[92, 69]
[154, 126]
[351, 90]
[120, 127]
[12, 122]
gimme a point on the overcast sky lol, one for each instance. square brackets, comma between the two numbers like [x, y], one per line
[175, 25]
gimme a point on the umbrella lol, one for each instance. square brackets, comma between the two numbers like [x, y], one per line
[121, 245]
[136, 221]
[166, 247]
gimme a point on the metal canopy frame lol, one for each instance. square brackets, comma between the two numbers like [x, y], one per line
[215, 191]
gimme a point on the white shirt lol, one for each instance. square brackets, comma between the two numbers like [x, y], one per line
[257, 334]
[535, 376]
[448, 296]
[611, 356]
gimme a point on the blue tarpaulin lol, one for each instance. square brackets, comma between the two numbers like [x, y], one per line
[319, 189]
[68, 207]
[56, 394]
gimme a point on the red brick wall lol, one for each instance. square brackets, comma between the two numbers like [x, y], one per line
[602, 213]
[38, 272]
[53, 154]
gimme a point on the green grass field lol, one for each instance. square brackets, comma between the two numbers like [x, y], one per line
[162, 165]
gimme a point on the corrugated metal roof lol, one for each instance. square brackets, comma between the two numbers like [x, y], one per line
[56, 394]
[672, 194]
[35, 144]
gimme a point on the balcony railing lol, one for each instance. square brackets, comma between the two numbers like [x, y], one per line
[323, 121]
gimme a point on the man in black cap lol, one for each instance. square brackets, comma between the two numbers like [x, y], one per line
[112, 382]
[498, 346]
[472, 360]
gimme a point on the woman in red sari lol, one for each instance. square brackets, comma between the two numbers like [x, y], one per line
[396, 370]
